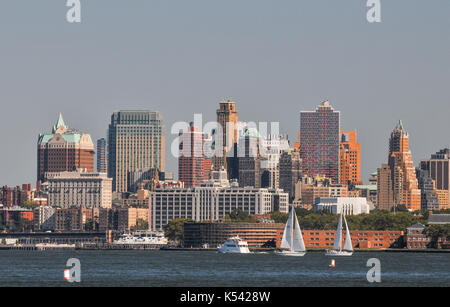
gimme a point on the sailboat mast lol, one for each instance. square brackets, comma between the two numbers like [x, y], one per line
[340, 232]
[293, 229]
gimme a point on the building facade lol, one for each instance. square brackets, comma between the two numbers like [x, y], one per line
[44, 218]
[370, 239]
[290, 171]
[197, 235]
[427, 186]
[227, 134]
[79, 189]
[211, 201]
[135, 141]
[397, 181]
[437, 168]
[319, 142]
[64, 150]
[249, 158]
[101, 156]
[345, 205]
[194, 166]
[349, 158]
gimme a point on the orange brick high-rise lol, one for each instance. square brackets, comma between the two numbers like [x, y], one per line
[397, 181]
[64, 150]
[349, 158]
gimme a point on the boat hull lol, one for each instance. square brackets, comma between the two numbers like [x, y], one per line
[338, 253]
[233, 251]
[289, 253]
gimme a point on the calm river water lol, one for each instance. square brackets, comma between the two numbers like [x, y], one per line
[209, 269]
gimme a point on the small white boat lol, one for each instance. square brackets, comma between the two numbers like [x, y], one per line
[292, 243]
[234, 245]
[337, 246]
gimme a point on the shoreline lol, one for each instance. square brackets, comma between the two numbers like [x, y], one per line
[104, 247]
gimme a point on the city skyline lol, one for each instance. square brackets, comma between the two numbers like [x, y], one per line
[272, 70]
[364, 176]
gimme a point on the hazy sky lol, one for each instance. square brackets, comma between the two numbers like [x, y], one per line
[274, 58]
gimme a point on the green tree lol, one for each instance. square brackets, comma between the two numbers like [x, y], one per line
[90, 225]
[141, 224]
[301, 211]
[174, 229]
[30, 204]
[239, 216]
[279, 217]
[437, 233]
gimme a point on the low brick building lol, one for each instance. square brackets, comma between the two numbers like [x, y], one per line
[415, 238]
[214, 234]
[257, 234]
[360, 238]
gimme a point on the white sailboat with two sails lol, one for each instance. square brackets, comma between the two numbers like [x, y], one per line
[338, 250]
[292, 243]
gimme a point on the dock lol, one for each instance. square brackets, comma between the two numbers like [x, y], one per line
[111, 246]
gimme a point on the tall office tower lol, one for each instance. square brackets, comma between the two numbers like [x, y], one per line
[192, 163]
[349, 159]
[272, 148]
[397, 181]
[290, 171]
[429, 198]
[319, 142]
[135, 141]
[249, 159]
[101, 155]
[227, 118]
[64, 150]
[438, 169]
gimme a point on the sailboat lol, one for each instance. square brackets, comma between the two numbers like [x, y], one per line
[337, 246]
[292, 243]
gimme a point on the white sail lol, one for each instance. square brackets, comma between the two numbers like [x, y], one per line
[338, 238]
[348, 240]
[299, 244]
[286, 242]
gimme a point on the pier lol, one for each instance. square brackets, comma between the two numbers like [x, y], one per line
[110, 246]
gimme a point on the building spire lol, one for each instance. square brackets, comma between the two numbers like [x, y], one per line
[60, 125]
[400, 125]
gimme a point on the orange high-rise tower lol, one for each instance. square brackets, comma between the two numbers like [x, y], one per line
[349, 159]
[397, 183]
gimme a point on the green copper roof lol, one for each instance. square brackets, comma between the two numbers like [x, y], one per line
[68, 137]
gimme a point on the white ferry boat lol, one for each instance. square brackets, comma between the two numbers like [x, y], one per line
[153, 238]
[234, 245]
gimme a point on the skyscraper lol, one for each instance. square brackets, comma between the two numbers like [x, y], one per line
[193, 166]
[290, 169]
[397, 181]
[437, 168]
[349, 158]
[64, 150]
[135, 141]
[101, 155]
[227, 118]
[319, 141]
[430, 199]
[249, 158]
[272, 146]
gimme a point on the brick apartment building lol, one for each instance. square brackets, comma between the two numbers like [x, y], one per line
[64, 150]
